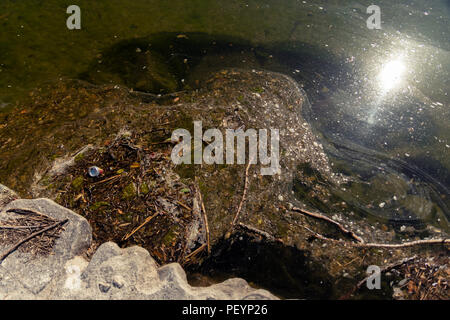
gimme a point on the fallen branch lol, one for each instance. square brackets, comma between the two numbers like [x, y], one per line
[382, 270]
[244, 194]
[31, 236]
[350, 233]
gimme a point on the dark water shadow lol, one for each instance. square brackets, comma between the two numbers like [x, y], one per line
[286, 271]
[166, 62]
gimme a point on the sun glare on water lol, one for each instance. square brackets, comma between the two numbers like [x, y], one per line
[391, 75]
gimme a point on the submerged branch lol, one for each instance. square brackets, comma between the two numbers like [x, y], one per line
[350, 233]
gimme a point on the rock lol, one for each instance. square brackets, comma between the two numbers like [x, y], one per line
[36, 272]
[131, 273]
[6, 196]
[144, 71]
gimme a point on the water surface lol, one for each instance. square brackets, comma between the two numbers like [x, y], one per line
[378, 98]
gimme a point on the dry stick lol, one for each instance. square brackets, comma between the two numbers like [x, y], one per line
[244, 194]
[205, 217]
[405, 244]
[264, 234]
[106, 180]
[193, 253]
[319, 236]
[139, 228]
[26, 212]
[184, 206]
[20, 227]
[162, 142]
[31, 236]
[325, 218]
[383, 270]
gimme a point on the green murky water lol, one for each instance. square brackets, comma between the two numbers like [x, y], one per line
[379, 98]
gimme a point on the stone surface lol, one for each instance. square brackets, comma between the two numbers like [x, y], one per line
[131, 273]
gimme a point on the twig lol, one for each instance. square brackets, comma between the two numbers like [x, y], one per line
[321, 237]
[31, 236]
[325, 218]
[380, 245]
[161, 142]
[383, 270]
[106, 180]
[244, 194]
[184, 206]
[140, 227]
[205, 218]
[20, 227]
[264, 234]
[26, 211]
[193, 253]
[405, 244]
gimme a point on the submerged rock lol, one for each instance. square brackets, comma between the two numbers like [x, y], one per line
[129, 135]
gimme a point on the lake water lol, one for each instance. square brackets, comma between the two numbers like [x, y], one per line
[379, 99]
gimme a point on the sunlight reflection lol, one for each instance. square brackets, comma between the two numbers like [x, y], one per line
[391, 74]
